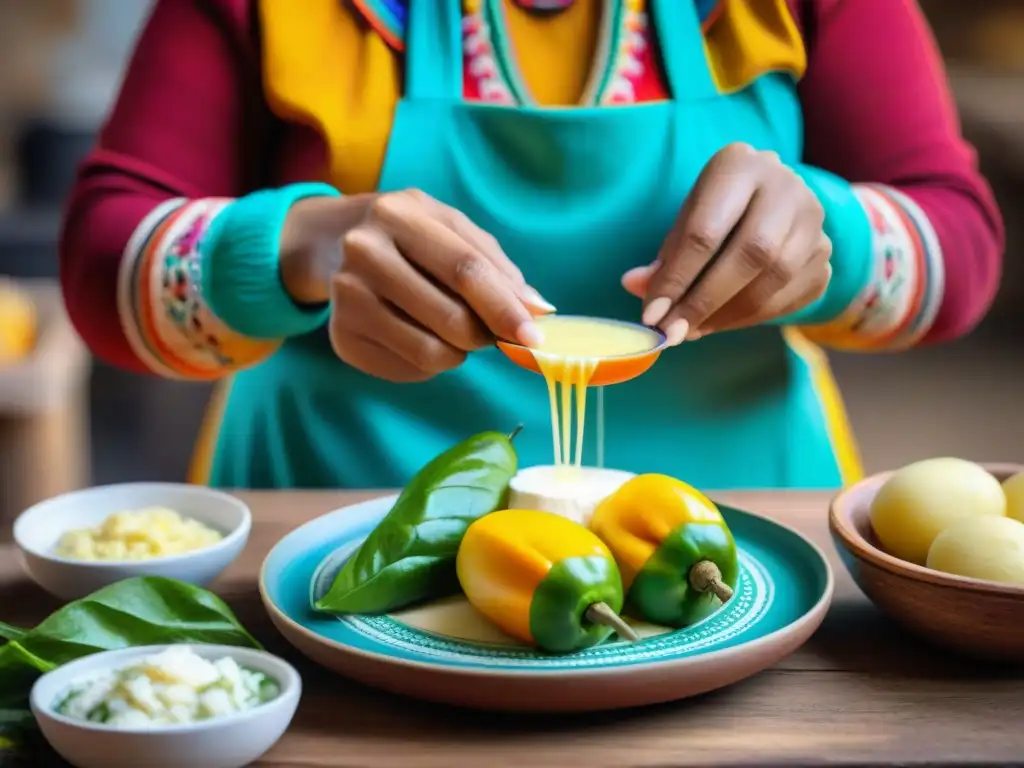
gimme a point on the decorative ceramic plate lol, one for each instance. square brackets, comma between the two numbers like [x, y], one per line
[445, 651]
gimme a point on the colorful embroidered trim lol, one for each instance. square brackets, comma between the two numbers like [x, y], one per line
[389, 17]
[631, 62]
[164, 317]
[899, 305]
[492, 76]
[484, 80]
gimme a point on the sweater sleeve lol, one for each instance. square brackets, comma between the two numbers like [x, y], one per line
[160, 225]
[884, 149]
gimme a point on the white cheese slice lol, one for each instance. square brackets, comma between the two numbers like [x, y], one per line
[572, 492]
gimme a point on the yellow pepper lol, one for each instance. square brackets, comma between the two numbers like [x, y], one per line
[673, 548]
[543, 579]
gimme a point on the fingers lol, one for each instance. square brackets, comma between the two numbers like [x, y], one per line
[712, 210]
[460, 266]
[373, 256]
[748, 247]
[487, 245]
[755, 250]
[372, 358]
[464, 227]
[636, 280]
[743, 312]
[360, 313]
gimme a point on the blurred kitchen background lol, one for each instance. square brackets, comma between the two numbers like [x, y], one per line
[66, 420]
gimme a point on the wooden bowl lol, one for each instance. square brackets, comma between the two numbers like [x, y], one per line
[977, 617]
[610, 370]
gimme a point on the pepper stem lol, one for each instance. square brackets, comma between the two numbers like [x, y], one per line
[705, 577]
[514, 432]
[602, 613]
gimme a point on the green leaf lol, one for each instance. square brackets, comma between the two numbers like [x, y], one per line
[141, 611]
[410, 555]
[7, 632]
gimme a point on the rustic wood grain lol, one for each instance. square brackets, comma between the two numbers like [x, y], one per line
[860, 693]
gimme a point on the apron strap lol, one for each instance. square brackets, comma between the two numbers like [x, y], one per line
[433, 50]
[683, 49]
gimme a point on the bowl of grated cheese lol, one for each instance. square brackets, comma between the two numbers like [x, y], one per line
[74, 544]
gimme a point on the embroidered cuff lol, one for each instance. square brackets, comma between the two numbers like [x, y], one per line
[241, 276]
[902, 296]
[164, 317]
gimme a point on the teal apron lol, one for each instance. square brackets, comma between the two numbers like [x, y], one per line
[576, 197]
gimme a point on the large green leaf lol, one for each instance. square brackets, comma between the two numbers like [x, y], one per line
[140, 611]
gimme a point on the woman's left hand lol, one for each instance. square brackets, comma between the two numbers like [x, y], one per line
[747, 247]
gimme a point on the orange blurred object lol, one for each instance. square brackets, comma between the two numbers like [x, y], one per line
[17, 323]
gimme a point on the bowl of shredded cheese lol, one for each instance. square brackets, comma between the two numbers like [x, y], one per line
[74, 544]
[201, 706]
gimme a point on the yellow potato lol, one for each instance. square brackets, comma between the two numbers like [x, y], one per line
[1014, 490]
[921, 500]
[989, 548]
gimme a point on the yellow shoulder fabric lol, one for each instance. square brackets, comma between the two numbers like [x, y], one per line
[326, 69]
[751, 38]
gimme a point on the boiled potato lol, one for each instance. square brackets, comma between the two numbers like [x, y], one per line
[989, 548]
[921, 500]
[1014, 490]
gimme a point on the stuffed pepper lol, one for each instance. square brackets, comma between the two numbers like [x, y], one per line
[542, 579]
[675, 552]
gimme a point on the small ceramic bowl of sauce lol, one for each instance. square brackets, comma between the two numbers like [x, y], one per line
[614, 351]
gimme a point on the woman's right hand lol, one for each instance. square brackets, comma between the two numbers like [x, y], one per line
[420, 286]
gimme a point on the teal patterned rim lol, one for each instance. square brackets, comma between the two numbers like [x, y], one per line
[783, 578]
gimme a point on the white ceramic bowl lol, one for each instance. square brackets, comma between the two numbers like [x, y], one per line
[38, 529]
[225, 742]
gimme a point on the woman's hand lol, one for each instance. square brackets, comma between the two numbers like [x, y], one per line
[748, 247]
[419, 286]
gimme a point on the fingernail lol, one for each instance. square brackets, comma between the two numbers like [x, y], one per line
[532, 297]
[655, 312]
[676, 332]
[638, 273]
[530, 335]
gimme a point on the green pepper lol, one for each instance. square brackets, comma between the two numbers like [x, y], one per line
[410, 556]
[542, 579]
[674, 549]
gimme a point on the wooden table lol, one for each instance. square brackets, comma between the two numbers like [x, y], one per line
[860, 692]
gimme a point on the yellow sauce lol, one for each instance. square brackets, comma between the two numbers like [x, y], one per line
[591, 337]
[572, 349]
